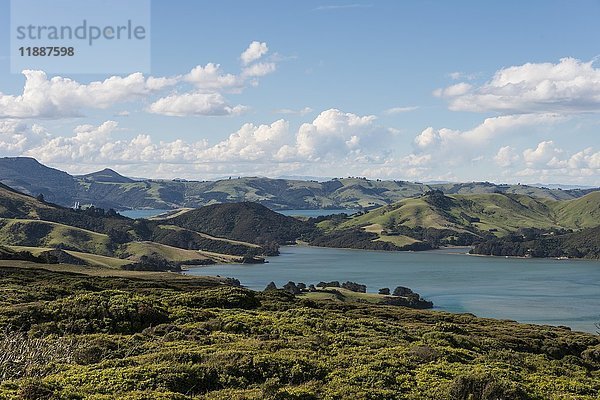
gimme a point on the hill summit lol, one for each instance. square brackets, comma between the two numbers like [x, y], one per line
[106, 175]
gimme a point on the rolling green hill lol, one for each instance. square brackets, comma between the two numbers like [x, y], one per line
[247, 231]
[499, 213]
[135, 250]
[248, 222]
[583, 212]
[438, 219]
[41, 227]
[37, 233]
[14, 204]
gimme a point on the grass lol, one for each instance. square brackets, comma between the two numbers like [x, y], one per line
[13, 203]
[37, 233]
[398, 240]
[170, 214]
[408, 212]
[374, 228]
[91, 259]
[95, 248]
[579, 213]
[33, 250]
[138, 249]
[210, 237]
[102, 272]
[100, 261]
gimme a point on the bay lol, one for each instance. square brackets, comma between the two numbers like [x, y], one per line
[541, 291]
[315, 213]
[149, 213]
[138, 214]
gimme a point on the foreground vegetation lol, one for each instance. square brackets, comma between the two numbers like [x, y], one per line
[136, 335]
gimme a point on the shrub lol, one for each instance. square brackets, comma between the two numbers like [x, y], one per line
[485, 387]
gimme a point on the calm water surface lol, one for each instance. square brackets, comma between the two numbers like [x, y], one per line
[541, 291]
[137, 214]
[315, 213]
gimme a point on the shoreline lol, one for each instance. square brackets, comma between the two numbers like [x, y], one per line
[438, 251]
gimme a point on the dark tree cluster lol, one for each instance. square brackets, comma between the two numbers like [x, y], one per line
[328, 284]
[352, 238]
[153, 262]
[354, 287]
[437, 199]
[544, 243]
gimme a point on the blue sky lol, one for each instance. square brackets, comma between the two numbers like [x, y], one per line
[417, 90]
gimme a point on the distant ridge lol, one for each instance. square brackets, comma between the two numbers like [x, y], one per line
[28, 176]
[109, 189]
[561, 186]
[106, 175]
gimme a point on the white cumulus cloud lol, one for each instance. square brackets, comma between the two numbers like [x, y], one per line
[333, 138]
[400, 110]
[334, 131]
[490, 128]
[258, 70]
[506, 156]
[210, 77]
[63, 97]
[569, 86]
[289, 111]
[254, 52]
[187, 104]
[545, 154]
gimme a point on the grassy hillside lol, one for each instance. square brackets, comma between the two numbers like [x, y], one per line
[487, 188]
[583, 212]
[247, 231]
[136, 250]
[189, 239]
[500, 213]
[94, 260]
[408, 212]
[102, 236]
[36, 233]
[14, 204]
[143, 336]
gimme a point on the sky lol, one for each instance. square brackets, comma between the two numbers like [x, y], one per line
[507, 92]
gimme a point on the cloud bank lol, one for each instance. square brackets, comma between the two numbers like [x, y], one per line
[201, 91]
[569, 86]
